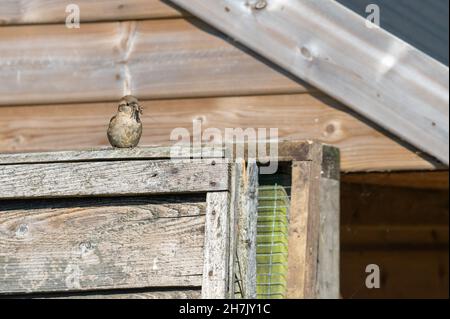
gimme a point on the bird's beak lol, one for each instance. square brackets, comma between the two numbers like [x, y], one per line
[138, 108]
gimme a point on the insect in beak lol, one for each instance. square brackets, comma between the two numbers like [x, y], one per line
[136, 111]
[138, 108]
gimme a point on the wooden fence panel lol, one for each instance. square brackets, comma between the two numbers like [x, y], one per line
[100, 244]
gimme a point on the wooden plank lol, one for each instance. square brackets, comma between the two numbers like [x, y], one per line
[151, 59]
[297, 117]
[328, 271]
[369, 205]
[100, 244]
[111, 178]
[247, 225]
[304, 223]
[368, 69]
[420, 180]
[215, 282]
[313, 244]
[381, 217]
[328, 268]
[251, 208]
[51, 11]
[237, 173]
[109, 153]
[404, 274]
[387, 236]
[166, 294]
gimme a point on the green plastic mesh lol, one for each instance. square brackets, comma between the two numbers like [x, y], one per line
[272, 242]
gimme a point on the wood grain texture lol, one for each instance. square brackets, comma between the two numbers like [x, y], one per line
[404, 230]
[383, 217]
[150, 59]
[100, 244]
[166, 294]
[304, 222]
[370, 205]
[386, 236]
[237, 172]
[314, 219]
[328, 269]
[109, 153]
[404, 274]
[419, 180]
[364, 147]
[54, 11]
[247, 225]
[376, 74]
[216, 276]
[111, 178]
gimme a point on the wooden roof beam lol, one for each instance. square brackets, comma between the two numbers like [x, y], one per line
[373, 72]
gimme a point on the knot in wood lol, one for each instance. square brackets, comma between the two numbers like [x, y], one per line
[261, 4]
[22, 230]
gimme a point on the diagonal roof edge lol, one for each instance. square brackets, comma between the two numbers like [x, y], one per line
[368, 69]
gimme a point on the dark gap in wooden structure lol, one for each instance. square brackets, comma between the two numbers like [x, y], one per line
[105, 293]
[46, 203]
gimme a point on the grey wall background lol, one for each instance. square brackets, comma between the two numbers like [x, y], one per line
[422, 23]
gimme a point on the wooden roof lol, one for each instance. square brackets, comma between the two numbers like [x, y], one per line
[331, 47]
[58, 87]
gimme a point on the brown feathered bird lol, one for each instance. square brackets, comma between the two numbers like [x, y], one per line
[125, 128]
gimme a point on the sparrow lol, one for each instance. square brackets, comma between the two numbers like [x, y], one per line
[125, 128]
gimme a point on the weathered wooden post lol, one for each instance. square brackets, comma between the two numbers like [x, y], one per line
[313, 264]
[313, 258]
